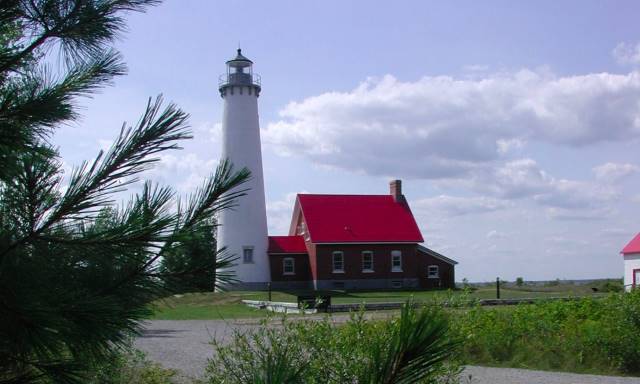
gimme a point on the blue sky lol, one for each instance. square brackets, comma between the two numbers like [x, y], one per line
[515, 126]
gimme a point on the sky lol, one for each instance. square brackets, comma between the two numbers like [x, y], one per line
[515, 126]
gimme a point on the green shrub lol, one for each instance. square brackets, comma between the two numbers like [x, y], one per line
[582, 335]
[613, 286]
[129, 367]
[519, 281]
[414, 348]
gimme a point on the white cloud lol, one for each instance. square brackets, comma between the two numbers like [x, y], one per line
[558, 213]
[184, 172]
[443, 127]
[105, 144]
[475, 68]
[614, 172]
[523, 179]
[508, 145]
[627, 54]
[494, 234]
[213, 130]
[457, 206]
[279, 214]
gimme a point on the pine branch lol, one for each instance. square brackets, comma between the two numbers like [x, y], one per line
[82, 26]
[217, 193]
[220, 191]
[91, 186]
[31, 106]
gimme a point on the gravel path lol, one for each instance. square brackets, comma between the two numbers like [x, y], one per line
[184, 345]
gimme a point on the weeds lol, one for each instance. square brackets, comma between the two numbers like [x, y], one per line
[582, 335]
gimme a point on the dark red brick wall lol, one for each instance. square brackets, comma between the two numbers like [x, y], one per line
[302, 268]
[353, 261]
[447, 276]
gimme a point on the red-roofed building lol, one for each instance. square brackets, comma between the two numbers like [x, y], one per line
[631, 255]
[356, 242]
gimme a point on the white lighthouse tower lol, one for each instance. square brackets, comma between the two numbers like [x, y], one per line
[243, 229]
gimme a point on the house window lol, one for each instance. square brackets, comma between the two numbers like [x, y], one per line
[396, 261]
[636, 278]
[338, 262]
[433, 272]
[288, 266]
[247, 255]
[396, 284]
[367, 261]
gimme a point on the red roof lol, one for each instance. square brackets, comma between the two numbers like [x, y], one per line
[287, 244]
[358, 219]
[633, 246]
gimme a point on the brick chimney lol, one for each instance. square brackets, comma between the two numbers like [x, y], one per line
[395, 189]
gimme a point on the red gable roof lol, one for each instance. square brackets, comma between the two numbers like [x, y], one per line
[633, 246]
[287, 244]
[358, 219]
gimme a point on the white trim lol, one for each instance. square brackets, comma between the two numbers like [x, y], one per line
[431, 252]
[293, 266]
[396, 253]
[437, 271]
[333, 262]
[367, 270]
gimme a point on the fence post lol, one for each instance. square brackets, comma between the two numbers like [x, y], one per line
[269, 288]
[497, 287]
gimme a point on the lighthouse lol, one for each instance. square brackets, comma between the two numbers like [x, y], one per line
[243, 229]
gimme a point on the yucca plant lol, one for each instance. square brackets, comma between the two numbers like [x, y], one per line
[412, 350]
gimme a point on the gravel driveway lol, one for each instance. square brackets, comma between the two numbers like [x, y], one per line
[184, 345]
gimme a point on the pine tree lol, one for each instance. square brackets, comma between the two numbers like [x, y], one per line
[78, 268]
[186, 264]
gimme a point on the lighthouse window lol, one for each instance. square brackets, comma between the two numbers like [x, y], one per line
[247, 255]
[288, 266]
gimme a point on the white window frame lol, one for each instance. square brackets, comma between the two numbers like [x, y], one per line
[395, 254]
[369, 253]
[396, 284]
[430, 272]
[244, 256]
[284, 266]
[333, 261]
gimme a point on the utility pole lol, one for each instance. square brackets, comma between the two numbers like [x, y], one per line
[497, 287]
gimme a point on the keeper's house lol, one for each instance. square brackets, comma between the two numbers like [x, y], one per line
[631, 255]
[356, 242]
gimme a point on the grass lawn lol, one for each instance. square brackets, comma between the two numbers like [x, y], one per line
[229, 306]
